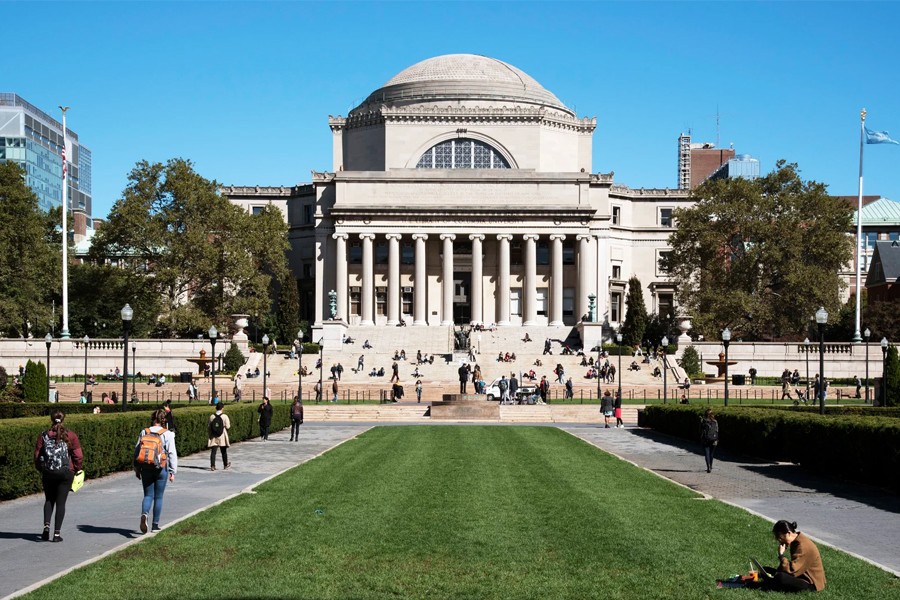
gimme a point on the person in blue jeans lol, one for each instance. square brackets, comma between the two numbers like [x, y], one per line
[153, 479]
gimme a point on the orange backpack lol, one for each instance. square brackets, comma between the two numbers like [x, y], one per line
[150, 451]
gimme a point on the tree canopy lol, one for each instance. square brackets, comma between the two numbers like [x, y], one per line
[205, 257]
[759, 255]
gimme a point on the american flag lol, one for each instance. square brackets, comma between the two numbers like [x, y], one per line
[64, 163]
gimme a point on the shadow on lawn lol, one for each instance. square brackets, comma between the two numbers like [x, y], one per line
[799, 480]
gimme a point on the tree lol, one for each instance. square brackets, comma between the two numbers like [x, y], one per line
[891, 394]
[97, 294]
[205, 257]
[759, 255]
[30, 256]
[635, 314]
[288, 307]
[234, 359]
[690, 362]
[659, 327]
[34, 382]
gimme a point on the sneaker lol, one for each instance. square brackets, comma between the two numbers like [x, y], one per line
[155, 528]
[144, 523]
[45, 535]
[212, 468]
[228, 466]
[57, 537]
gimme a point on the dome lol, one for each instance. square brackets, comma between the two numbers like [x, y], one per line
[458, 77]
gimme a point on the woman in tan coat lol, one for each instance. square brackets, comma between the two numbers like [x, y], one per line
[218, 426]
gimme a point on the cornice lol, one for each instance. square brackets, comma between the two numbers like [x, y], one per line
[464, 115]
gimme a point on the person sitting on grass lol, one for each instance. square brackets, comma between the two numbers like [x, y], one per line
[802, 570]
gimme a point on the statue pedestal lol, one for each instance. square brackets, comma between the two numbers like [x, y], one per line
[591, 335]
[465, 407]
[332, 335]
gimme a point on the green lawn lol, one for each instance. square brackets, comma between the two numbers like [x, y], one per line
[457, 512]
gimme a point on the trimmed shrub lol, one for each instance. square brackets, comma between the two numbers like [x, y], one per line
[34, 382]
[690, 362]
[108, 440]
[234, 359]
[892, 378]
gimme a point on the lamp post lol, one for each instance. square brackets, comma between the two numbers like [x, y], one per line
[213, 336]
[665, 344]
[265, 342]
[619, 344]
[127, 314]
[867, 334]
[884, 347]
[300, 365]
[821, 319]
[85, 340]
[321, 365]
[48, 339]
[726, 340]
[806, 347]
[597, 367]
[133, 368]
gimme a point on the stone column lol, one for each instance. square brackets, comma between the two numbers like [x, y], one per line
[503, 279]
[393, 278]
[368, 283]
[584, 269]
[477, 279]
[421, 282]
[601, 275]
[556, 280]
[529, 291]
[447, 289]
[340, 270]
[321, 251]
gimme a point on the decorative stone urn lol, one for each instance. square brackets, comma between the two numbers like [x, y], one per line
[240, 322]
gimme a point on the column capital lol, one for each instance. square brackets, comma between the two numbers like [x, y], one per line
[340, 236]
[367, 236]
[584, 237]
[420, 236]
[477, 236]
[448, 236]
[393, 236]
[504, 236]
[531, 236]
[558, 236]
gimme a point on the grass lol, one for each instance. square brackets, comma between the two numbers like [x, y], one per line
[457, 512]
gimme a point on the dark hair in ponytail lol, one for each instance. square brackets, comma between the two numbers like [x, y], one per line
[782, 527]
[57, 427]
[158, 417]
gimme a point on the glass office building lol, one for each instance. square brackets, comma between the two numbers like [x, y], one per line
[34, 139]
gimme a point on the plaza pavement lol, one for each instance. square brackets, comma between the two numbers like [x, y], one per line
[103, 516]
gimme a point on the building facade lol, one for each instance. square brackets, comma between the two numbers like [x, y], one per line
[462, 193]
[34, 140]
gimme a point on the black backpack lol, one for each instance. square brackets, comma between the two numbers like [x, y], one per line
[217, 426]
[710, 431]
[54, 457]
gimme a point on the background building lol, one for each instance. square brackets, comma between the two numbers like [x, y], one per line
[698, 161]
[34, 139]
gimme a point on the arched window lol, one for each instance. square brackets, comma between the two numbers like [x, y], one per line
[462, 153]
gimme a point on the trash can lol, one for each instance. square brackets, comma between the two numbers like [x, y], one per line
[186, 377]
[738, 379]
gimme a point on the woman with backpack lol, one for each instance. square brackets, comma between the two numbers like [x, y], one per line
[218, 426]
[709, 437]
[155, 462]
[265, 418]
[296, 418]
[57, 455]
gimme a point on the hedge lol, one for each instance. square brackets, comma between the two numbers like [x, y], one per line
[860, 448]
[108, 440]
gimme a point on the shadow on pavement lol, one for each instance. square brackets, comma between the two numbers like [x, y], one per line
[128, 533]
[16, 535]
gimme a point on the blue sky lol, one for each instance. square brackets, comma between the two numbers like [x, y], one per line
[245, 89]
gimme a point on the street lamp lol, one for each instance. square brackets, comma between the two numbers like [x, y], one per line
[127, 314]
[866, 335]
[300, 365]
[133, 368]
[321, 364]
[265, 342]
[213, 336]
[85, 340]
[821, 319]
[726, 339]
[665, 344]
[806, 347]
[884, 347]
[619, 343]
[597, 366]
[48, 339]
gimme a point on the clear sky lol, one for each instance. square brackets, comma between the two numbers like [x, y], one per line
[244, 89]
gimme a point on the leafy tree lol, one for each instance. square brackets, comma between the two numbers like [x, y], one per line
[660, 326]
[205, 257]
[97, 294]
[34, 382]
[288, 307]
[690, 362]
[892, 377]
[30, 256]
[882, 319]
[635, 314]
[759, 255]
[4, 379]
[234, 359]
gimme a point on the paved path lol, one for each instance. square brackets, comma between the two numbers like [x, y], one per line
[104, 515]
[857, 519]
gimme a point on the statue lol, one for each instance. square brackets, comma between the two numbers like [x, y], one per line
[332, 302]
[592, 300]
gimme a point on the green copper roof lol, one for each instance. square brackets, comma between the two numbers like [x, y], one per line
[881, 212]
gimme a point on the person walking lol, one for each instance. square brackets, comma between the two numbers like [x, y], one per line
[395, 372]
[463, 372]
[570, 388]
[418, 391]
[858, 385]
[191, 392]
[218, 426]
[606, 407]
[709, 437]
[170, 417]
[318, 389]
[513, 388]
[57, 455]
[265, 419]
[503, 384]
[238, 390]
[617, 410]
[544, 389]
[155, 462]
[296, 418]
[334, 391]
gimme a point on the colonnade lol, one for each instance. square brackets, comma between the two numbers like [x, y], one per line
[586, 283]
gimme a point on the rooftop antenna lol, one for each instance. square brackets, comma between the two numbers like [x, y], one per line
[717, 125]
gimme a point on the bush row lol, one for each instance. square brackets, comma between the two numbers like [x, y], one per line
[16, 410]
[860, 448]
[845, 411]
[108, 440]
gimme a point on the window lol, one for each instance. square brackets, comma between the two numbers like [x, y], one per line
[568, 302]
[380, 301]
[665, 217]
[307, 271]
[381, 252]
[664, 305]
[568, 252]
[407, 253]
[615, 307]
[406, 300]
[258, 209]
[541, 301]
[354, 252]
[616, 215]
[515, 302]
[661, 256]
[543, 252]
[308, 214]
[515, 252]
[894, 236]
[355, 295]
[462, 153]
[617, 271]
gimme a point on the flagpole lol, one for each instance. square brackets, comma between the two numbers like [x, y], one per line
[859, 241]
[64, 334]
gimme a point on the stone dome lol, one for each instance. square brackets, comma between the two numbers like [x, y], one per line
[461, 77]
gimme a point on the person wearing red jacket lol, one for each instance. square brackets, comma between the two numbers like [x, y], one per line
[57, 455]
